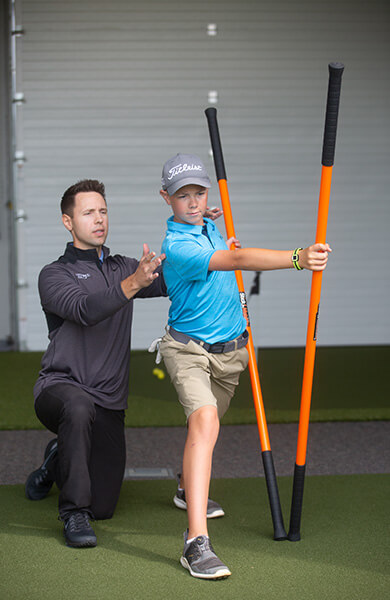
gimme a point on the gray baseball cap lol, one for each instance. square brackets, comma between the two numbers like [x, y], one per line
[181, 170]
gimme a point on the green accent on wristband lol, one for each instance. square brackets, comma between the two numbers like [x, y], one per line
[295, 259]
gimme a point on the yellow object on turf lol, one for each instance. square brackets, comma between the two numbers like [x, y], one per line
[159, 373]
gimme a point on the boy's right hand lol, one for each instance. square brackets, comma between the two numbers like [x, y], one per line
[233, 243]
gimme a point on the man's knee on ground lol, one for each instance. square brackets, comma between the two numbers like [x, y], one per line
[102, 513]
[103, 506]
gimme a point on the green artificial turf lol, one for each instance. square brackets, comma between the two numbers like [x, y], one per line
[349, 384]
[343, 554]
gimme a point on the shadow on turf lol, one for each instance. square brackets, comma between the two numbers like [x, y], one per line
[343, 522]
[22, 517]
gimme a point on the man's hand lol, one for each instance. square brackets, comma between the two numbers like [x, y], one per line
[145, 273]
[213, 213]
[149, 262]
[314, 257]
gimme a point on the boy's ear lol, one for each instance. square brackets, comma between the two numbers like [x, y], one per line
[67, 221]
[164, 194]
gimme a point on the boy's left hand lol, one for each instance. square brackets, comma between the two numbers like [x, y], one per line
[314, 257]
[213, 213]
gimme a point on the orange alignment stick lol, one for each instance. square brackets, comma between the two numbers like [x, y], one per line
[311, 338]
[269, 469]
[252, 365]
[328, 149]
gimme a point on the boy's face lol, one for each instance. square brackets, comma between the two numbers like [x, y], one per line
[89, 221]
[188, 204]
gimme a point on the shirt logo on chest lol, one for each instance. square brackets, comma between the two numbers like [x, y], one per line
[83, 275]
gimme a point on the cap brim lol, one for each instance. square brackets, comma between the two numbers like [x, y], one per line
[171, 189]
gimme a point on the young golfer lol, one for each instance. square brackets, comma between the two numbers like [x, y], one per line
[204, 347]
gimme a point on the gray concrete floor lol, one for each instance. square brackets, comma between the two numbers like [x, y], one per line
[333, 449]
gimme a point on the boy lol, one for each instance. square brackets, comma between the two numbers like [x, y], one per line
[204, 347]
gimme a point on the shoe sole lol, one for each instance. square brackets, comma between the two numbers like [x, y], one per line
[220, 574]
[50, 452]
[38, 496]
[86, 544]
[183, 505]
[50, 447]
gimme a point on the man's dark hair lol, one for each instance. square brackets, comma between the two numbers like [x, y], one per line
[85, 185]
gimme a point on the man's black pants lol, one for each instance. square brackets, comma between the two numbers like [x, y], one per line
[91, 449]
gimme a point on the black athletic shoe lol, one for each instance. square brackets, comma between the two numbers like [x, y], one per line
[200, 559]
[213, 508]
[39, 482]
[78, 531]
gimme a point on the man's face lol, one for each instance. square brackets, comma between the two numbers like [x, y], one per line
[188, 204]
[89, 222]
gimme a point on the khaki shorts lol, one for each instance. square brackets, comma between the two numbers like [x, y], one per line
[200, 377]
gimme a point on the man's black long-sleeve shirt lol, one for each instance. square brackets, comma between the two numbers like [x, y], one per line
[89, 320]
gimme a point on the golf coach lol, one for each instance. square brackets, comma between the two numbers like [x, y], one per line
[81, 392]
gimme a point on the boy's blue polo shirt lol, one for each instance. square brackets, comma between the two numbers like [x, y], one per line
[204, 304]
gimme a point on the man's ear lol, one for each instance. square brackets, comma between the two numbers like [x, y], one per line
[164, 194]
[67, 221]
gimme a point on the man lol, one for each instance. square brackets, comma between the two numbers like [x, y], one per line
[81, 392]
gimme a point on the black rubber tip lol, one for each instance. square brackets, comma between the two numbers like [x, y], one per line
[211, 115]
[336, 66]
[296, 503]
[273, 495]
[294, 537]
[332, 110]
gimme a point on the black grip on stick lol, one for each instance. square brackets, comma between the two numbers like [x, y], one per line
[332, 111]
[273, 495]
[296, 503]
[211, 114]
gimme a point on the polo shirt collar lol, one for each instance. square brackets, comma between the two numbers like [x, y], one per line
[187, 228]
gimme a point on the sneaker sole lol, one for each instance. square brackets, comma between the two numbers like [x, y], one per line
[36, 496]
[51, 445]
[86, 544]
[179, 503]
[183, 505]
[220, 574]
[215, 514]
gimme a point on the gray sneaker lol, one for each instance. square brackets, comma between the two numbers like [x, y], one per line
[213, 508]
[200, 559]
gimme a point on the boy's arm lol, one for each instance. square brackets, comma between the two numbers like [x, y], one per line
[313, 258]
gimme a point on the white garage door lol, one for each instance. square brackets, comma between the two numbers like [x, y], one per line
[113, 89]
